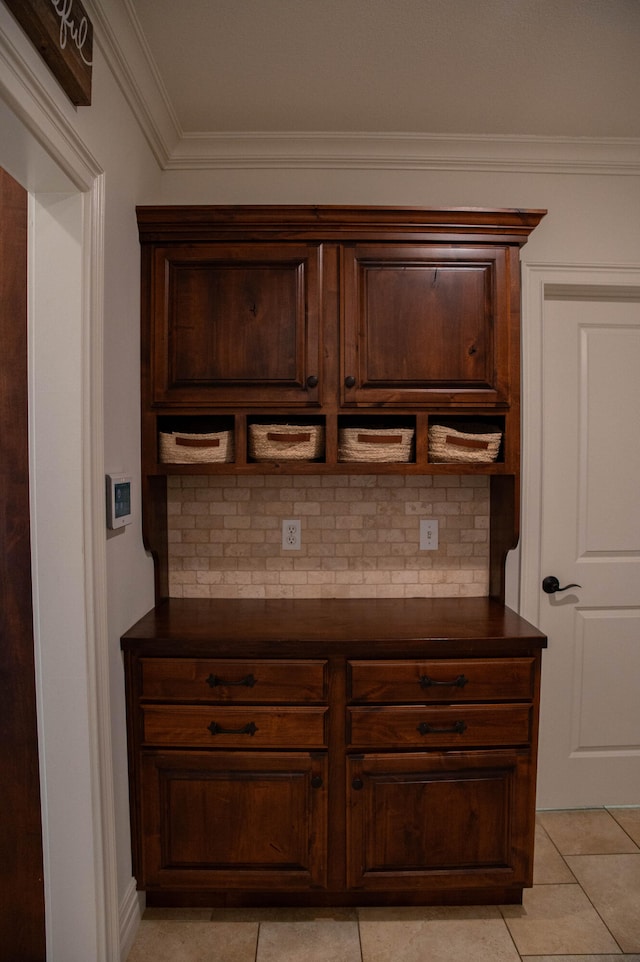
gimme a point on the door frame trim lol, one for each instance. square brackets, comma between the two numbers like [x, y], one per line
[65, 164]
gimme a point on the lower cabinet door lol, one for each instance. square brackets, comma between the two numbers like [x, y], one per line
[447, 820]
[243, 820]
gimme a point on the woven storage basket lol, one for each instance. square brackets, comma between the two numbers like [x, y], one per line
[183, 448]
[450, 445]
[286, 442]
[375, 444]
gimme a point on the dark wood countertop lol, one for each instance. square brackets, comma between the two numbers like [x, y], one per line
[370, 628]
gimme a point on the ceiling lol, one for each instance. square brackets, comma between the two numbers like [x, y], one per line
[559, 68]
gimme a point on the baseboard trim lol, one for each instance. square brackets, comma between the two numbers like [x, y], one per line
[131, 910]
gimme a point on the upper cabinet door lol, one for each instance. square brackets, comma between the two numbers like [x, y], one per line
[236, 324]
[427, 325]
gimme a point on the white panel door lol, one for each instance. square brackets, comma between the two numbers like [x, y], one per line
[590, 535]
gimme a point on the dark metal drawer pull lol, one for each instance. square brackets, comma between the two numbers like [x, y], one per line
[316, 781]
[459, 682]
[217, 729]
[214, 682]
[357, 784]
[456, 729]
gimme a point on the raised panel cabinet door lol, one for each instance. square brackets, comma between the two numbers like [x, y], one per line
[236, 324]
[458, 819]
[426, 325]
[222, 820]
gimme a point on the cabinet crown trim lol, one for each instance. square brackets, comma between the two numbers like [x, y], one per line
[329, 222]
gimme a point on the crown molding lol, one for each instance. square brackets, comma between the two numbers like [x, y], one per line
[118, 33]
[410, 151]
[131, 61]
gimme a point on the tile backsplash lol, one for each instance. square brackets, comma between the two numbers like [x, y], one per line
[360, 536]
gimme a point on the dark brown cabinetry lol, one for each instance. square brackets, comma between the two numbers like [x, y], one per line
[449, 819]
[236, 325]
[332, 312]
[442, 785]
[331, 752]
[426, 325]
[233, 820]
[250, 811]
[274, 760]
[330, 320]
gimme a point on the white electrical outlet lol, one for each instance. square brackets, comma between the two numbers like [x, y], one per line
[291, 539]
[428, 535]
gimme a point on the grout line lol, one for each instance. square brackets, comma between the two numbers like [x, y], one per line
[630, 837]
[510, 934]
[561, 856]
[359, 935]
[622, 828]
[601, 808]
[592, 855]
[593, 906]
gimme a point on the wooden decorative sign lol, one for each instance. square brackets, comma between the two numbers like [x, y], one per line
[63, 34]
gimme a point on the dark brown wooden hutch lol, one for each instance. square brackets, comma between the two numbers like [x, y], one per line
[344, 752]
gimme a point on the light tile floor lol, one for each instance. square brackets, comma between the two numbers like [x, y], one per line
[584, 907]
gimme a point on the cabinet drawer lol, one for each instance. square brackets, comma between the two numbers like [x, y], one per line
[217, 680]
[213, 727]
[466, 725]
[496, 679]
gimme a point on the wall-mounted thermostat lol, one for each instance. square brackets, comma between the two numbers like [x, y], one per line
[118, 500]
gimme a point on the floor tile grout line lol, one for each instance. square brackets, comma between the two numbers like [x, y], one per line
[591, 903]
[255, 958]
[560, 856]
[602, 808]
[630, 837]
[598, 855]
[595, 909]
[521, 958]
[359, 935]
[509, 933]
